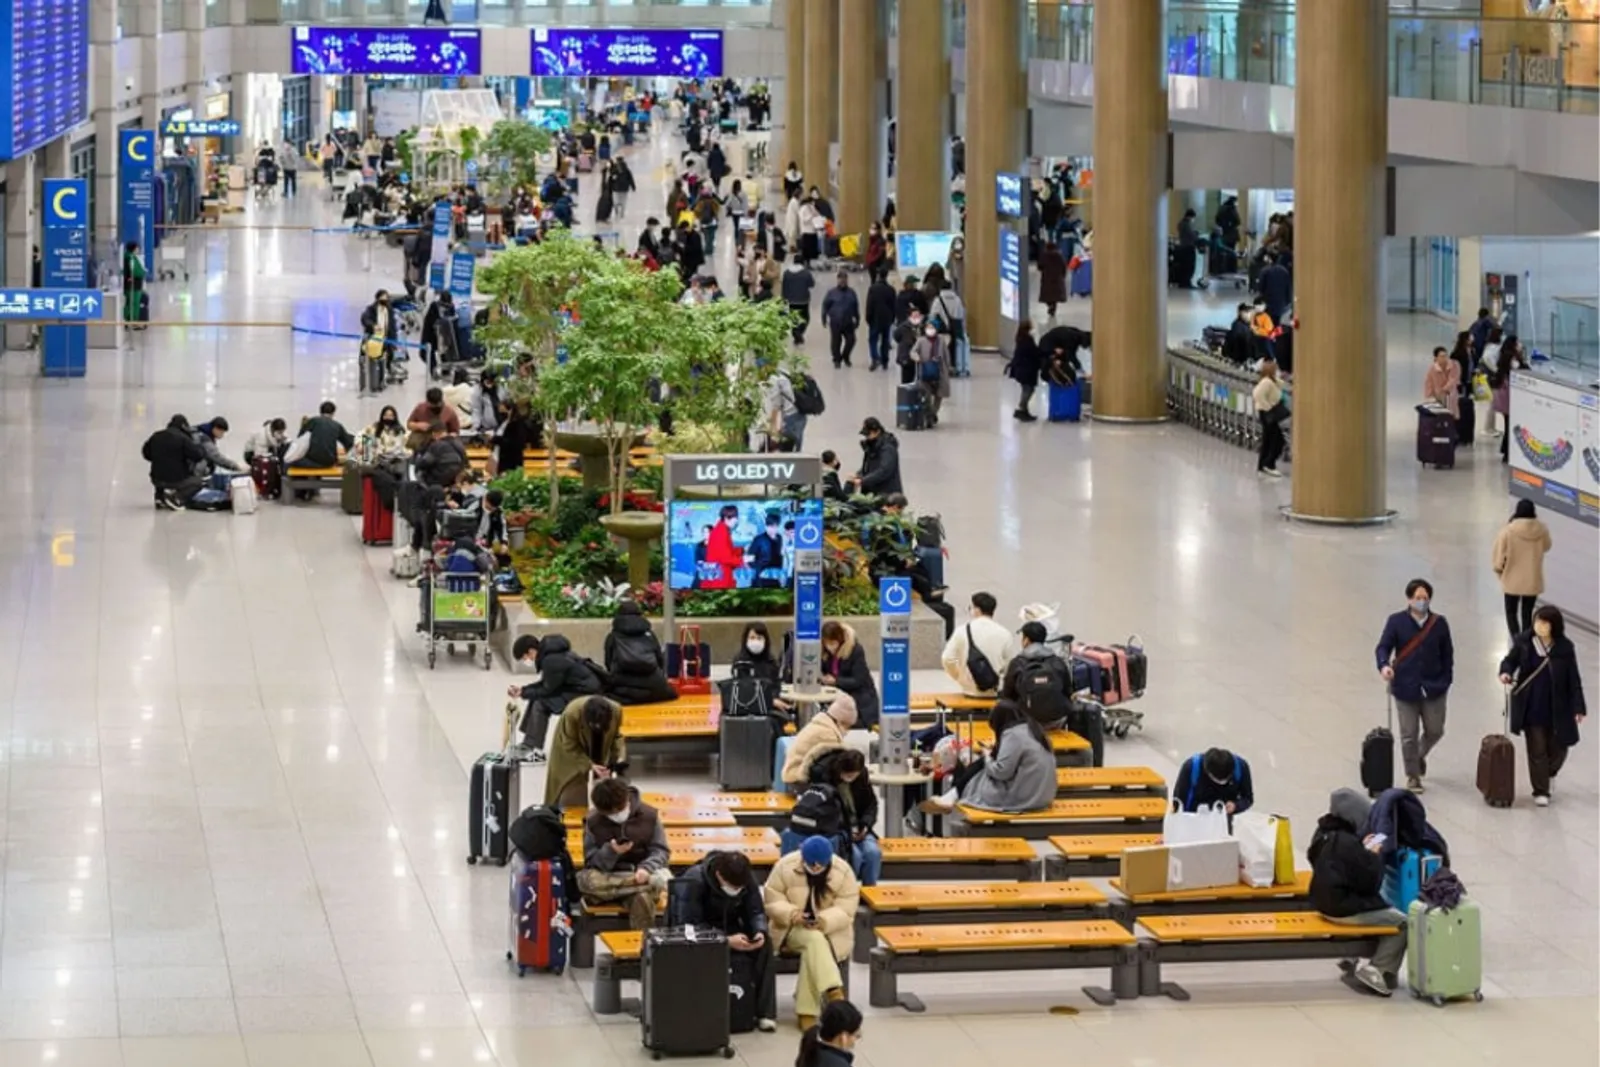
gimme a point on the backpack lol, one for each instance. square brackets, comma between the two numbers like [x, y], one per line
[978, 665]
[634, 655]
[808, 396]
[538, 833]
[1040, 691]
[817, 811]
[1196, 769]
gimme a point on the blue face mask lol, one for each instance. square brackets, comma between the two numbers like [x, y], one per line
[1419, 606]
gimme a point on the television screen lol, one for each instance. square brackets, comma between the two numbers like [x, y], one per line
[376, 50]
[733, 544]
[631, 53]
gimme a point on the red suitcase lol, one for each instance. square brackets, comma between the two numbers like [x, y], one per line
[377, 521]
[267, 473]
[540, 923]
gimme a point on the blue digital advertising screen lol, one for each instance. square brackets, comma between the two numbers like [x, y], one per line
[336, 50]
[733, 544]
[44, 66]
[573, 53]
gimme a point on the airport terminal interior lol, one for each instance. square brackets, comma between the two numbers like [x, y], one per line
[236, 811]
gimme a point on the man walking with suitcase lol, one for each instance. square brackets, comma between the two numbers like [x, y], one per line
[1417, 658]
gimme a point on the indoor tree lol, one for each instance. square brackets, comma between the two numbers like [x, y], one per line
[732, 347]
[511, 153]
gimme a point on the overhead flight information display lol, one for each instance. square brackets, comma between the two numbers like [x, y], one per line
[413, 50]
[44, 65]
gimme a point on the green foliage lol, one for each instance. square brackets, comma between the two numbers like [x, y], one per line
[574, 512]
[734, 346]
[589, 557]
[649, 480]
[470, 139]
[512, 152]
[403, 149]
[523, 493]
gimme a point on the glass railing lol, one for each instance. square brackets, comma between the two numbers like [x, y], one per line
[1542, 63]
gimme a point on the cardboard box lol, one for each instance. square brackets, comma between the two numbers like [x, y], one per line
[1170, 868]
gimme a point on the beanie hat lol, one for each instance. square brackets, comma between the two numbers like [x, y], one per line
[816, 852]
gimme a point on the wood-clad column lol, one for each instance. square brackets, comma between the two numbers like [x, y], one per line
[997, 108]
[1130, 211]
[922, 117]
[822, 89]
[794, 88]
[1340, 156]
[863, 68]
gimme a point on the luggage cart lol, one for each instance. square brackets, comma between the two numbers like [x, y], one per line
[459, 608]
[172, 255]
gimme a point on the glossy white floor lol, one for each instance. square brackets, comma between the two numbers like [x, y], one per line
[235, 796]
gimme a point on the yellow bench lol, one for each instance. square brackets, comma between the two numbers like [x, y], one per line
[690, 845]
[310, 478]
[1095, 856]
[688, 704]
[747, 809]
[915, 859]
[625, 954]
[1216, 900]
[1097, 781]
[1034, 946]
[671, 816]
[1082, 817]
[1254, 937]
[963, 902]
[924, 702]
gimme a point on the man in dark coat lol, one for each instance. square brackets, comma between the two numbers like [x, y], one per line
[881, 313]
[563, 677]
[172, 453]
[880, 461]
[1052, 278]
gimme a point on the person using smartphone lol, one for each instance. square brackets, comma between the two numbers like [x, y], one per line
[721, 892]
[1346, 887]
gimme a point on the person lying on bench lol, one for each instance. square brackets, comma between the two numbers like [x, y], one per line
[721, 892]
[1215, 776]
[1018, 774]
[811, 898]
[1346, 880]
[625, 852]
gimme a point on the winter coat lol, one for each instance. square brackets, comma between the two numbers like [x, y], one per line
[442, 462]
[1519, 551]
[379, 320]
[563, 674]
[788, 890]
[1276, 286]
[880, 305]
[264, 442]
[1194, 789]
[1025, 362]
[992, 639]
[643, 831]
[905, 299]
[1443, 386]
[570, 757]
[1020, 776]
[215, 460]
[1052, 277]
[172, 454]
[697, 899]
[816, 737]
[796, 285]
[1566, 685]
[1430, 669]
[859, 810]
[636, 663]
[1399, 816]
[852, 675]
[841, 309]
[934, 350]
[1346, 878]
[880, 466]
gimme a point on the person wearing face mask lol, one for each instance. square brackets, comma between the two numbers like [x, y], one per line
[811, 898]
[625, 852]
[1546, 695]
[383, 443]
[824, 733]
[844, 666]
[931, 357]
[721, 892]
[1417, 658]
[1215, 776]
[839, 803]
[379, 322]
[832, 1041]
[880, 461]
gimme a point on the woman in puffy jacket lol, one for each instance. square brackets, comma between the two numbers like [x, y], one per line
[811, 898]
[844, 666]
[824, 733]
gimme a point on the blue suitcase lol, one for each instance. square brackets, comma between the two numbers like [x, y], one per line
[932, 560]
[1083, 279]
[1402, 879]
[1066, 403]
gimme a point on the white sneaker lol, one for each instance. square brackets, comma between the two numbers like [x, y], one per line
[1273, 472]
[1541, 802]
[767, 1026]
[1373, 979]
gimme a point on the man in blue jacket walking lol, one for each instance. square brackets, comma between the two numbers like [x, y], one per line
[1417, 659]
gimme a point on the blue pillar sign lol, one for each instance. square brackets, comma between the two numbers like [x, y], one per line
[463, 265]
[1010, 275]
[136, 175]
[66, 266]
[807, 601]
[894, 609]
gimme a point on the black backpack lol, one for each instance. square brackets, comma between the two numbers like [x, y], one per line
[817, 811]
[978, 665]
[538, 833]
[634, 655]
[808, 396]
[1041, 691]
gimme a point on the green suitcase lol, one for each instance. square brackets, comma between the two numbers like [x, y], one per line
[350, 488]
[1444, 952]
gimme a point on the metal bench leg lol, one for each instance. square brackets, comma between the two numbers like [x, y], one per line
[1124, 980]
[884, 990]
[861, 951]
[580, 948]
[1150, 983]
[1055, 868]
[607, 989]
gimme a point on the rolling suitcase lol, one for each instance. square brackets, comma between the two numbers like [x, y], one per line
[911, 410]
[1112, 661]
[1436, 437]
[377, 521]
[492, 802]
[267, 472]
[1066, 403]
[1377, 756]
[1086, 718]
[744, 749]
[685, 1010]
[1403, 878]
[350, 488]
[1497, 765]
[1444, 952]
[541, 924]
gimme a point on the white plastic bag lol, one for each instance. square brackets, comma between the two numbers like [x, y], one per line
[1187, 827]
[297, 449]
[1258, 847]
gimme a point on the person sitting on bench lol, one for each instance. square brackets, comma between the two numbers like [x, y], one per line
[811, 898]
[634, 659]
[1018, 774]
[824, 733]
[1346, 879]
[563, 677]
[1037, 679]
[839, 804]
[625, 852]
[1216, 776]
[721, 892]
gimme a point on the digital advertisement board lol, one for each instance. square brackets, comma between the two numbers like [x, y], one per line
[579, 53]
[411, 50]
[44, 64]
[1555, 446]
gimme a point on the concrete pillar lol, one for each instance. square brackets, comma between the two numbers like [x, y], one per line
[997, 109]
[1130, 212]
[105, 89]
[316, 11]
[822, 90]
[863, 66]
[21, 236]
[1340, 160]
[922, 117]
[794, 88]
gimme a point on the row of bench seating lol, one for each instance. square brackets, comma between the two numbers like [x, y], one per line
[535, 461]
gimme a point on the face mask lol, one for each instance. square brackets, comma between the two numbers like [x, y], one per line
[756, 646]
[1420, 606]
[619, 817]
[730, 891]
[817, 873]
[931, 332]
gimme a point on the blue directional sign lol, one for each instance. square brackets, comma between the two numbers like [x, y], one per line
[74, 305]
[894, 605]
[136, 173]
[808, 581]
[63, 352]
[463, 265]
[200, 128]
[1008, 195]
[1010, 275]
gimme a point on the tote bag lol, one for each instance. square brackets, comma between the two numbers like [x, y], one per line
[1189, 827]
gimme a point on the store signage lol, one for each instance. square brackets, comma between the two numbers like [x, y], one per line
[463, 265]
[808, 597]
[582, 53]
[1008, 195]
[706, 470]
[200, 128]
[1010, 275]
[412, 50]
[894, 609]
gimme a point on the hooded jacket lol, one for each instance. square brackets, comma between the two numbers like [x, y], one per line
[880, 465]
[1518, 558]
[563, 674]
[570, 749]
[642, 830]
[822, 734]
[852, 675]
[172, 454]
[796, 285]
[442, 462]
[1346, 877]
[697, 899]
[788, 889]
[858, 800]
[208, 445]
[1400, 817]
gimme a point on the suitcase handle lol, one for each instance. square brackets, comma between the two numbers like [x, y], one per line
[1388, 717]
[1505, 716]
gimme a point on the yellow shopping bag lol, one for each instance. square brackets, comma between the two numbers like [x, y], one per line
[1283, 855]
[372, 348]
[1480, 388]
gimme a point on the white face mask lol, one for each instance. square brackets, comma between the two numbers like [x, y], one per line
[619, 817]
[756, 646]
[729, 890]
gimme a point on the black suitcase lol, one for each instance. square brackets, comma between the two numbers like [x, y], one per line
[1377, 757]
[1086, 718]
[744, 747]
[493, 801]
[685, 1011]
[744, 993]
[911, 408]
[1436, 438]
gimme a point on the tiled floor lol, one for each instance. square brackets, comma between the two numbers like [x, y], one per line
[235, 795]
